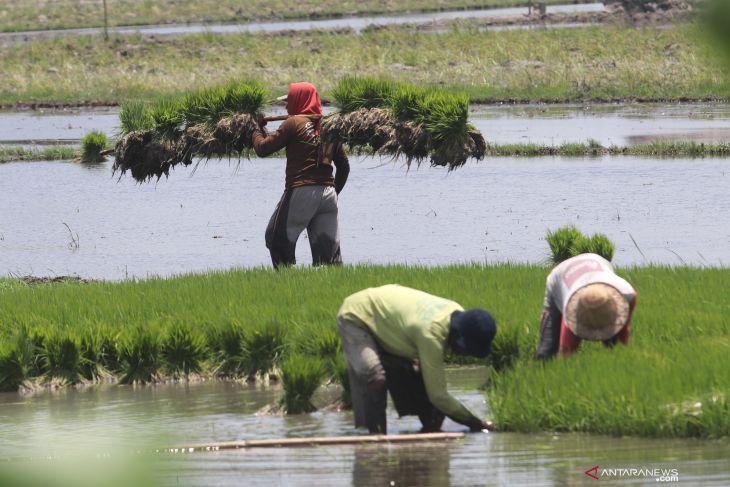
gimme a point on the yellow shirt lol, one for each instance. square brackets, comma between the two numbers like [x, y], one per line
[411, 324]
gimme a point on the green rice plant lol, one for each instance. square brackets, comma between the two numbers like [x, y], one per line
[650, 391]
[597, 244]
[167, 117]
[226, 342]
[99, 352]
[508, 345]
[54, 153]
[561, 241]
[263, 346]
[353, 93]
[183, 349]
[139, 355]
[572, 149]
[405, 101]
[243, 97]
[61, 355]
[17, 360]
[208, 106]
[92, 145]
[443, 115]
[301, 376]
[319, 341]
[134, 116]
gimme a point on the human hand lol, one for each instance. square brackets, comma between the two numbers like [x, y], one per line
[481, 426]
[261, 120]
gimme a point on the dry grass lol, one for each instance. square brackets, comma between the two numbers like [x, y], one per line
[589, 63]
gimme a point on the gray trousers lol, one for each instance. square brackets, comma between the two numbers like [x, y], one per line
[363, 368]
[310, 207]
[367, 364]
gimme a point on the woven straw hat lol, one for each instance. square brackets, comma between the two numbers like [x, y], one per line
[596, 312]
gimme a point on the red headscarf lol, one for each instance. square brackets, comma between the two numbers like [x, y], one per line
[303, 99]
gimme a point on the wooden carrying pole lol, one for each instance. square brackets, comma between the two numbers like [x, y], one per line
[315, 441]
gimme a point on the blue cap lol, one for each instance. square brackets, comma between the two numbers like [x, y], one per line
[473, 331]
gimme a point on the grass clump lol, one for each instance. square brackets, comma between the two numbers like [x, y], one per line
[18, 154]
[17, 360]
[183, 349]
[226, 340]
[61, 356]
[568, 241]
[301, 376]
[262, 348]
[99, 353]
[92, 146]
[139, 356]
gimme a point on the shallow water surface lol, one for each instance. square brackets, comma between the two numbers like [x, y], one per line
[63, 218]
[120, 417]
[355, 23]
[619, 124]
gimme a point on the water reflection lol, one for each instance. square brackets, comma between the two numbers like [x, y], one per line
[402, 465]
[118, 418]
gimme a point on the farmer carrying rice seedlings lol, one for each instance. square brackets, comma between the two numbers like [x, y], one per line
[385, 330]
[584, 300]
[310, 194]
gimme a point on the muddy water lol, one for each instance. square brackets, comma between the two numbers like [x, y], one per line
[662, 211]
[117, 418]
[355, 23]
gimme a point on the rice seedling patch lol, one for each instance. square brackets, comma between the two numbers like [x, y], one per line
[301, 376]
[92, 146]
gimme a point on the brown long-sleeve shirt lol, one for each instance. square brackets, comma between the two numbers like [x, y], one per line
[306, 164]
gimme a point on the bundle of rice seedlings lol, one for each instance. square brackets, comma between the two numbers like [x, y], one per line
[597, 244]
[263, 346]
[92, 146]
[17, 361]
[377, 115]
[568, 242]
[61, 355]
[183, 349]
[139, 356]
[158, 136]
[301, 376]
[226, 341]
[561, 241]
[319, 341]
[99, 356]
[400, 119]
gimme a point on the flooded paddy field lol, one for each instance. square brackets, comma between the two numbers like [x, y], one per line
[619, 124]
[63, 218]
[110, 418]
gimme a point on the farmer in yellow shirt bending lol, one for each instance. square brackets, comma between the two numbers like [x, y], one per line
[385, 330]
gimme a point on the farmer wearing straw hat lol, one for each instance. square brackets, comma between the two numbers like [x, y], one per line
[310, 194]
[385, 330]
[584, 300]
